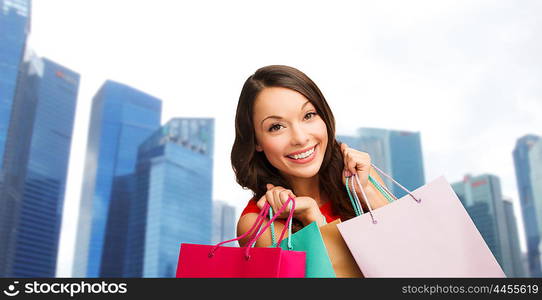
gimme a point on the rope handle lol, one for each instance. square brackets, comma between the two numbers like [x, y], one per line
[397, 183]
[258, 224]
[290, 216]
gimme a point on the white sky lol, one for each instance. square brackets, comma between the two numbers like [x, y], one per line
[466, 74]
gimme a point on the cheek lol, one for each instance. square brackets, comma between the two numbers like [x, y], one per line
[320, 130]
[273, 148]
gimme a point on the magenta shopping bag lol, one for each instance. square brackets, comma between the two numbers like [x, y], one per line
[426, 233]
[243, 262]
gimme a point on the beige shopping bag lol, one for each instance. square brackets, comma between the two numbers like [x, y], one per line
[342, 260]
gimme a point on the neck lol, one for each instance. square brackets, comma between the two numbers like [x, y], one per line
[307, 187]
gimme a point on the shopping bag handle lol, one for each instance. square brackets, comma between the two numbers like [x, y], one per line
[257, 224]
[290, 217]
[272, 227]
[397, 183]
[357, 203]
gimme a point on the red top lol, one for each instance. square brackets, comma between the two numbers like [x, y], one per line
[325, 209]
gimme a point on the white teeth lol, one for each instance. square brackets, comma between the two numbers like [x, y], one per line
[302, 155]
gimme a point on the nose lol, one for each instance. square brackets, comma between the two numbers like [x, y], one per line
[300, 136]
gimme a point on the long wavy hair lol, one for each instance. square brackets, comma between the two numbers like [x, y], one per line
[252, 169]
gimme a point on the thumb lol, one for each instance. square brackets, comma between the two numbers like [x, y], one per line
[269, 186]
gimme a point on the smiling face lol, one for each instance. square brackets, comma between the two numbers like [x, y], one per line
[289, 131]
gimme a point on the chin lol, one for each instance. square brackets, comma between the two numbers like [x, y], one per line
[309, 173]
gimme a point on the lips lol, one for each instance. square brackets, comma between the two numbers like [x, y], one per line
[308, 156]
[301, 151]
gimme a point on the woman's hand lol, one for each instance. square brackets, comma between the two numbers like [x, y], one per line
[357, 162]
[306, 208]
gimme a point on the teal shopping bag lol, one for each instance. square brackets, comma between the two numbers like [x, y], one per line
[309, 240]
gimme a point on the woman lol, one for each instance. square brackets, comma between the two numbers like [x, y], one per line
[285, 146]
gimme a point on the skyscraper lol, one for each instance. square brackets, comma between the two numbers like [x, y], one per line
[527, 166]
[224, 223]
[173, 202]
[14, 29]
[121, 119]
[482, 198]
[35, 167]
[406, 160]
[535, 161]
[515, 250]
[398, 153]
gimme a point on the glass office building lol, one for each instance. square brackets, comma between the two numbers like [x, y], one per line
[535, 160]
[14, 29]
[173, 202]
[398, 153]
[528, 168]
[482, 198]
[121, 119]
[406, 160]
[518, 270]
[224, 223]
[36, 164]
[114, 250]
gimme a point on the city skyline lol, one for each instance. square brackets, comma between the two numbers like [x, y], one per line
[458, 74]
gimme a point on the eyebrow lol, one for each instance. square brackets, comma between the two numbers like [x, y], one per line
[278, 117]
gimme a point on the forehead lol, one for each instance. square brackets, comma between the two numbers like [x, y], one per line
[278, 101]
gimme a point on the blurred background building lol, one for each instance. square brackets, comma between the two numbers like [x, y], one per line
[173, 203]
[35, 165]
[398, 153]
[121, 119]
[224, 223]
[482, 198]
[528, 166]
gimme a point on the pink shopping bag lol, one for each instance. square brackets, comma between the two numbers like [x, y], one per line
[242, 262]
[426, 233]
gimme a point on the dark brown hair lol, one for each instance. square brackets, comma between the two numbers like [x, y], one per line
[252, 169]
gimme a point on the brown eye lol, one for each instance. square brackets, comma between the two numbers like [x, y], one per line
[274, 127]
[310, 115]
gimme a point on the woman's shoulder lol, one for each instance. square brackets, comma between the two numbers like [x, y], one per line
[251, 207]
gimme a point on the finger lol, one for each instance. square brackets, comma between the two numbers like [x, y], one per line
[291, 194]
[363, 166]
[269, 198]
[269, 186]
[276, 200]
[350, 164]
[277, 190]
[261, 202]
[284, 195]
[348, 158]
[281, 199]
[276, 195]
[363, 163]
